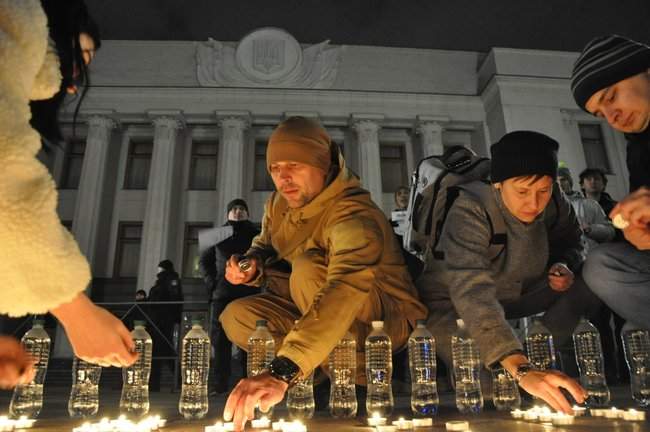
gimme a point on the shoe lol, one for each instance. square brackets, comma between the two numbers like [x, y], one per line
[322, 395]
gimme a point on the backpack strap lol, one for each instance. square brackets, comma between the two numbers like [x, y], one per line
[484, 194]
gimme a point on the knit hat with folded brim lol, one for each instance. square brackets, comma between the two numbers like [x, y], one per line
[523, 153]
[604, 61]
[300, 139]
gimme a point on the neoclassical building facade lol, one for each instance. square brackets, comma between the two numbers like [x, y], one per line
[171, 131]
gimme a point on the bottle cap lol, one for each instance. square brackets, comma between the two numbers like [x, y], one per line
[421, 323]
[378, 324]
[260, 323]
[197, 321]
[460, 323]
[39, 321]
[138, 323]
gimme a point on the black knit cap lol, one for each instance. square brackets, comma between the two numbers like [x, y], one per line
[523, 153]
[237, 201]
[604, 61]
[166, 265]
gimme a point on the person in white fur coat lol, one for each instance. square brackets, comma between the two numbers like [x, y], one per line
[41, 266]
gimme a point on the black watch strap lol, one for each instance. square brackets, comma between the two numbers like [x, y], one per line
[283, 369]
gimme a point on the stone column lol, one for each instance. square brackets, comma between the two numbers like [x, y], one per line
[367, 129]
[430, 130]
[87, 213]
[162, 197]
[230, 175]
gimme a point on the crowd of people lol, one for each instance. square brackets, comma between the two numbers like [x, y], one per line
[327, 260]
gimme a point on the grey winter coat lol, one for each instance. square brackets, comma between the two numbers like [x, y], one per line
[468, 283]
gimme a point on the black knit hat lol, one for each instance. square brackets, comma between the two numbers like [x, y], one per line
[166, 265]
[523, 153]
[604, 61]
[236, 201]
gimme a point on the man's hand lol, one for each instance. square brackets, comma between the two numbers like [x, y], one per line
[546, 385]
[635, 209]
[96, 335]
[560, 277]
[235, 275]
[16, 367]
[263, 390]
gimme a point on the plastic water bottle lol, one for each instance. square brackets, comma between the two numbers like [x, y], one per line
[506, 395]
[589, 357]
[195, 365]
[135, 378]
[84, 395]
[636, 343]
[539, 346]
[422, 362]
[343, 371]
[261, 350]
[379, 371]
[27, 399]
[467, 371]
[300, 399]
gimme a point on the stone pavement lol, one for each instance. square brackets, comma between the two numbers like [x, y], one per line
[165, 403]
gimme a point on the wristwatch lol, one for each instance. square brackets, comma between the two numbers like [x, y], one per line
[283, 369]
[522, 371]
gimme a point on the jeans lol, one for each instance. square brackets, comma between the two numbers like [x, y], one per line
[619, 274]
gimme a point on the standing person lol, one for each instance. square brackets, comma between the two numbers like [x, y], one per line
[596, 228]
[29, 70]
[534, 272]
[168, 288]
[346, 268]
[221, 292]
[611, 80]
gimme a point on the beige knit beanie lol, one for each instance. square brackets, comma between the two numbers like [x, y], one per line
[300, 139]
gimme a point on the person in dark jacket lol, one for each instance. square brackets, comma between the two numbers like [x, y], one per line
[165, 317]
[221, 292]
[536, 270]
[611, 80]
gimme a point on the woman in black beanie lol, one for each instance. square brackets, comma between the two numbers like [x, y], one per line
[506, 251]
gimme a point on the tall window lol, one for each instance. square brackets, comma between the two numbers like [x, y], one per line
[261, 180]
[593, 144]
[74, 158]
[191, 249]
[127, 256]
[393, 167]
[138, 165]
[203, 166]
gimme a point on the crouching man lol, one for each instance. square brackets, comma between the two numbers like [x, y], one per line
[346, 271]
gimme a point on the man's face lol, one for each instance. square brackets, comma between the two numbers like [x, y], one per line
[625, 105]
[593, 184]
[298, 183]
[526, 200]
[402, 198]
[139, 296]
[238, 213]
[565, 184]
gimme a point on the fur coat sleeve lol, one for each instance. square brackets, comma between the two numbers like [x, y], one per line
[41, 266]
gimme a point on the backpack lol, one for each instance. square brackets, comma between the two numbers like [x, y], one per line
[432, 192]
[435, 185]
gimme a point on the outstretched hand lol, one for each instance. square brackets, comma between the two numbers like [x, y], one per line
[262, 390]
[16, 367]
[96, 335]
[546, 385]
